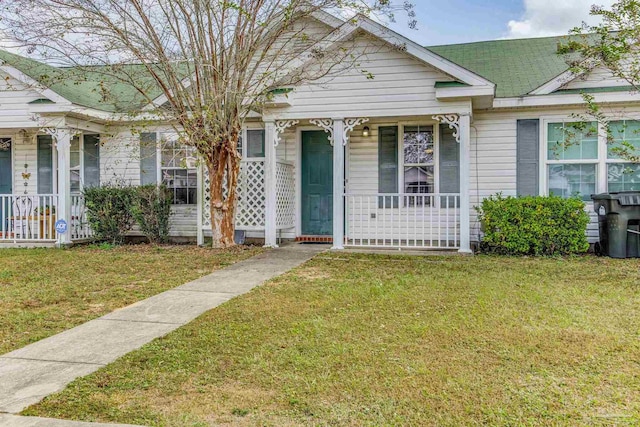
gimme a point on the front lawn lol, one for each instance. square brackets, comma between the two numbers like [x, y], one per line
[377, 340]
[45, 291]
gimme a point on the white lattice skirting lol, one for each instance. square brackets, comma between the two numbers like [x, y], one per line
[250, 210]
[286, 195]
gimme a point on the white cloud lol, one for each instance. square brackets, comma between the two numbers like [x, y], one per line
[553, 17]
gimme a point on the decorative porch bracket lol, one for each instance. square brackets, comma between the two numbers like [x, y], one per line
[453, 120]
[326, 125]
[280, 127]
[349, 126]
[461, 126]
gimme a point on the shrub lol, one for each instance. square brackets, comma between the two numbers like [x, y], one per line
[152, 210]
[533, 225]
[109, 212]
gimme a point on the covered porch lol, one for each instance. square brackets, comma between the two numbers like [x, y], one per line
[362, 171]
[43, 169]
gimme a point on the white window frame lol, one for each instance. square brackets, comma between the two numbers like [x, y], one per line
[436, 159]
[609, 161]
[80, 167]
[159, 168]
[545, 162]
[601, 162]
[245, 129]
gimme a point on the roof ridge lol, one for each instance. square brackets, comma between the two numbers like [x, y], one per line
[503, 40]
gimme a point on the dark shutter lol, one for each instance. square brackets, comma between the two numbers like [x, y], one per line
[148, 159]
[91, 161]
[388, 164]
[449, 161]
[528, 154]
[45, 164]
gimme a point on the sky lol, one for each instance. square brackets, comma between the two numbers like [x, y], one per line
[461, 21]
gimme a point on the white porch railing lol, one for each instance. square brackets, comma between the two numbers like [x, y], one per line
[79, 229]
[418, 221]
[32, 218]
[28, 217]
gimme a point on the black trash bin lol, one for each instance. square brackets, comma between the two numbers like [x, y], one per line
[619, 223]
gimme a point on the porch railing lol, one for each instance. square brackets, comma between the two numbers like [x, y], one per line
[420, 221]
[79, 229]
[28, 217]
[32, 218]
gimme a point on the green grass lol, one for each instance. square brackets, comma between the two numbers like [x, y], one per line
[45, 291]
[377, 340]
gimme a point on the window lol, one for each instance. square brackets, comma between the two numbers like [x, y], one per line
[84, 162]
[623, 177]
[418, 156]
[178, 169]
[75, 166]
[572, 159]
[254, 145]
[624, 138]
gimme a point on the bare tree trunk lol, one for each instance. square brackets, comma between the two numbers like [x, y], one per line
[223, 165]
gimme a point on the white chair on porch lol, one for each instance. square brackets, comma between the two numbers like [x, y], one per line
[22, 212]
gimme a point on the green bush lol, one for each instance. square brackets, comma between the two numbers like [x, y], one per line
[533, 225]
[152, 210]
[109, 211]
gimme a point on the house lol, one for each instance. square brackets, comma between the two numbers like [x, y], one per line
[398, 160]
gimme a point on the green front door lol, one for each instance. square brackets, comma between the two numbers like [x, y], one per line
[5, 181]
[317, 184]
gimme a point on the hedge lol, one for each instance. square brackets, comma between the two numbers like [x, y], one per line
[112, 210]
[532, 225]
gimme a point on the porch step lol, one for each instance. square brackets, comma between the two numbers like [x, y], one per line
[314, 239]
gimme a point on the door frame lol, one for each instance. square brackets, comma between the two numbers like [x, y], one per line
[298, 168]
[13, 160]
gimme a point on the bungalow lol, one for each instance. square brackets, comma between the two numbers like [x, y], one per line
[397, 161]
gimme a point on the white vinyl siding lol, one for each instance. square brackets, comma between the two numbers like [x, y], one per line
[14, 104]
[401, 86]
[597, 78]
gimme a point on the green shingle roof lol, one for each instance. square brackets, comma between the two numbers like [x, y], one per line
[516, 66]
[93, 87]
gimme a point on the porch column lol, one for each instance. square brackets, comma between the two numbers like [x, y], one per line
[338, 183]
[270, 214]
[465, 185]
[62, 139]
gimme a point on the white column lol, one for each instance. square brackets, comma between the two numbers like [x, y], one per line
[63, 147]
[465, 185]
[270, 231]
[338, 184]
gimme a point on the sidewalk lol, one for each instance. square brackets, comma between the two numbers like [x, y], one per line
[29, 374]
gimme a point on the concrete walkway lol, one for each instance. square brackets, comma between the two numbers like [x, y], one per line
[7, 420]
[29, 374]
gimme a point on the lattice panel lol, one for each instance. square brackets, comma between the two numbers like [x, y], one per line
[286, 196]
[250, 208]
